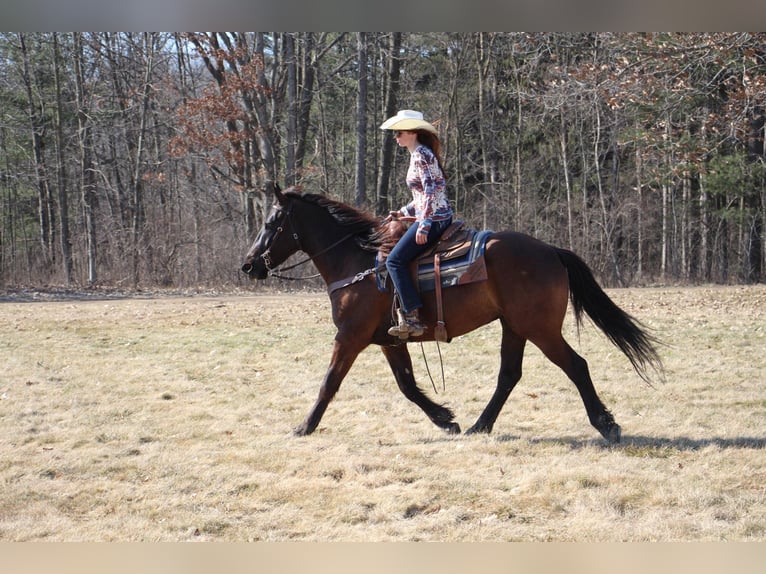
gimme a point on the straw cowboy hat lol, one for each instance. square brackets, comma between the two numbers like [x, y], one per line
[408, 120]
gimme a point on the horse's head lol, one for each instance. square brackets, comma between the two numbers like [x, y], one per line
[275, 242]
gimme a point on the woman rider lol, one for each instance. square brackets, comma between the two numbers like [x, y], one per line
[429, 206]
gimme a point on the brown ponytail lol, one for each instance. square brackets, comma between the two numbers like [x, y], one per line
[432, 141]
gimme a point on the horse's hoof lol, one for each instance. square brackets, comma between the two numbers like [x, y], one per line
[613, 434]
[453, 428]
[476, 429]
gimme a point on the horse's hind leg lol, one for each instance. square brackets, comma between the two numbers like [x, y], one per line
[401, 364]
[511, 355]
[576, 368]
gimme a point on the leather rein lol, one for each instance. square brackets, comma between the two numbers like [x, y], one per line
[277, 271]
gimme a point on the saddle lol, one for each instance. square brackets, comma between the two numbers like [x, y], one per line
[457, 258]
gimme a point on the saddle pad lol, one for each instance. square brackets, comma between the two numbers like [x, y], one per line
[467, 268]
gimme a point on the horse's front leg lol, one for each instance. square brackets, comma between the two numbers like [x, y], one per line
[401, 364]
[343, 356]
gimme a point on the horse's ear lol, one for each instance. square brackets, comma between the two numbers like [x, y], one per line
[278, 193]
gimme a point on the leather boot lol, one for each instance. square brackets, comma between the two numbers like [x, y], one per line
[409, 325]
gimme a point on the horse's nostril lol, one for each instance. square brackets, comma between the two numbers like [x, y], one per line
[247, 268]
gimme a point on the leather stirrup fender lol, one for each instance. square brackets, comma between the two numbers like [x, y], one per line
[440, 332]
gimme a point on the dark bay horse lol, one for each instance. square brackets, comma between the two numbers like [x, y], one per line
[528, 286]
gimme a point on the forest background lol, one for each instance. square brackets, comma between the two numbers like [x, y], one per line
[145, 160]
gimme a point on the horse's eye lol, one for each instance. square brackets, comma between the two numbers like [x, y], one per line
[274, 221]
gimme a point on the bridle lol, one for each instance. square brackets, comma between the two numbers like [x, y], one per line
[285, 214]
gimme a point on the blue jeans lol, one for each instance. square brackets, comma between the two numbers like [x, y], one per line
[398, 262]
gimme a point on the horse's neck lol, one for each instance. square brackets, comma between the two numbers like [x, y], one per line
[336, 258]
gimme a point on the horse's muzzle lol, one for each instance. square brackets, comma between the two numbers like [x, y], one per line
[254, 271]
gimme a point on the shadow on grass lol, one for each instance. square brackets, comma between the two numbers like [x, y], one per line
[638, 442]
[50, 295]
[691, 444]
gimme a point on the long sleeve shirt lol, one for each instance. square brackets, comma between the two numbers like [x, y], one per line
[429, 191]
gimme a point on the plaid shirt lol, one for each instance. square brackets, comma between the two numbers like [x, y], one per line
[429, 190]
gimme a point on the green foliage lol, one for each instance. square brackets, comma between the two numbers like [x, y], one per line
[734, 182]
[735, 174]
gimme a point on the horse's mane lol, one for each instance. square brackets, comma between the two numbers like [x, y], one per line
[369, 231]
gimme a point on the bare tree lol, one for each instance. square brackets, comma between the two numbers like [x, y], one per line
[391, 88]
[36, 120]
[87, 175]
[61, 180]
[361, 122]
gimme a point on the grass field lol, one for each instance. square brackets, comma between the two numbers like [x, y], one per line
[170, 419]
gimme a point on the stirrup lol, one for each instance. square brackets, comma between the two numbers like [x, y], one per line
[409, 325]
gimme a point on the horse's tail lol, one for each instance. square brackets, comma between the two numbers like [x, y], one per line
[626, 332]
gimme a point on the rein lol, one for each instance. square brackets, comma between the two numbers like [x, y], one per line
[428, 369]
[277, 272]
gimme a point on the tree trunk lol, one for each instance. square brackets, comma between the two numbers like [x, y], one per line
[361, 122]
[606, 225]
[36, 124]
[586, 220]
[665, 231]
[138, 172]
[63, 203]
[639, 216]
[310, 61]
[387, 148]
[266, 112]
[87, 169]
[483, 59]
[685, 240]
[7, 215]
[292, 108]
[703, 272]
[567, 182]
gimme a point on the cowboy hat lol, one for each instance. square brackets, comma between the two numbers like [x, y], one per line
[408, 120]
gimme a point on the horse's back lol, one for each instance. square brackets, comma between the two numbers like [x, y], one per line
[527, 279]
[524, 256]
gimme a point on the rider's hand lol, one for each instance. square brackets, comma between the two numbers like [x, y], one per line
[392, 216]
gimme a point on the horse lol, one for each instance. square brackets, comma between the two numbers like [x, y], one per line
[528, 288]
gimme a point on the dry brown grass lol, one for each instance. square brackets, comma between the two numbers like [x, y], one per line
[171, 419]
